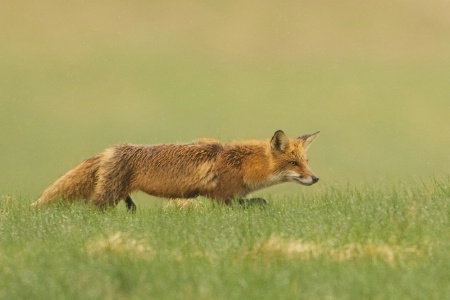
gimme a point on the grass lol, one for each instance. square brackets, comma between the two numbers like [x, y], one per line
[334, 243]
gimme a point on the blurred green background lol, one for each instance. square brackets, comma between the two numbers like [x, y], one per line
[79, 76]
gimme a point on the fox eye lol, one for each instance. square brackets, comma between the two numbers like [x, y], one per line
[294, 163]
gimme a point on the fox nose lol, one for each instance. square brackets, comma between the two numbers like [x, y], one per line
[315, 179]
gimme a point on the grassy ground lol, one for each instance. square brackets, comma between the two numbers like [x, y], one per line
[389, 243]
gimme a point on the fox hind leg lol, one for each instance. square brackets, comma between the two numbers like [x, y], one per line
[108, 195]
[102, 204]
[113, 181]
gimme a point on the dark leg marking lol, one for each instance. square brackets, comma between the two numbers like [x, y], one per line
[130, 204]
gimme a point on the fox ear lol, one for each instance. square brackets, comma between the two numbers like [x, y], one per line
[308, 139]
[279, 141]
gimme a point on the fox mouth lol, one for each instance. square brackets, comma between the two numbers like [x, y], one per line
[306, 180]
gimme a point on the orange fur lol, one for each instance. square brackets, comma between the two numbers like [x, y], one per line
[222, 172]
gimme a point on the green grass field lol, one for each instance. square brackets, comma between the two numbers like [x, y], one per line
[79, 76]
[385, 243]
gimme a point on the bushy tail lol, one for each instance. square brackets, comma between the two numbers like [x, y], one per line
[77, 184]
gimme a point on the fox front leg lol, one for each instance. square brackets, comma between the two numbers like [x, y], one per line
[252, 202]
[130, 204]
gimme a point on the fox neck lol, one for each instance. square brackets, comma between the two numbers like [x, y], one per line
[258, 169]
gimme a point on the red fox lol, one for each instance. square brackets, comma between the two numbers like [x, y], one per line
[222, 172]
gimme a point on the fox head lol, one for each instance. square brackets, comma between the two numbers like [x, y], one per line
[290, 160]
